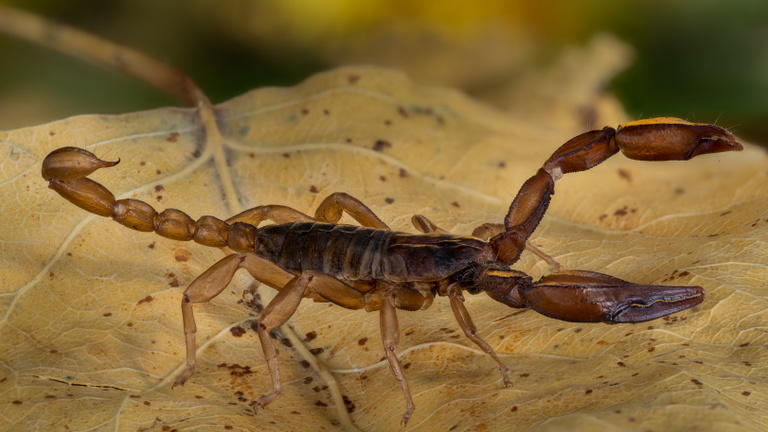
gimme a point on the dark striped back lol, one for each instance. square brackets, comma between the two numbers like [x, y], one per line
[346, 251]
[365, 254]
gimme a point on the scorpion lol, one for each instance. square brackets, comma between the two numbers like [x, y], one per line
[373, 268]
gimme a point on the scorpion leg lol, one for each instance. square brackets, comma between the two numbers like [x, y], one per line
[652, 139]
[390, 336]
[332, 206]
[466, 324]
[205, 287]
[276, 213]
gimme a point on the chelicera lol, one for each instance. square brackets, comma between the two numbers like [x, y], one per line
[373, 268]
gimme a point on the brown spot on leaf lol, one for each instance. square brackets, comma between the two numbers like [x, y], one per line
[456, 204]
[173, 137]
[389, 200]
[621, 212]
[146, 299]
[304, 364]
[307, 380]
[388, 122]
[402, 111]
[679, 191]
[697, 382]
[588, 391]
[316, 351]
[237, 331]
[326, 111]
[181, 255]
[625, 175]
[402, 173]
[380, 144]
[321, 404]
[17, 402]
[159, 188]
[107, 314]
[304, 111]
[513, 409]
[151, 245]
[310, 336]
[621, 364]
[313, 189]
[746, 393]
[348, 403]
[382, 178]
[353, 78]
[362, 341]
[196, 154]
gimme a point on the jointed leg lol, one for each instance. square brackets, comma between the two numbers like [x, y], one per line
[466, 324]
[332, 206]
[277, 312]
[390, 336]
[205, 287]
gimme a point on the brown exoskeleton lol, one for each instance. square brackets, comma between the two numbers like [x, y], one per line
[374, 268]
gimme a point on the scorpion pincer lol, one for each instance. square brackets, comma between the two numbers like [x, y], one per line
[373, 268]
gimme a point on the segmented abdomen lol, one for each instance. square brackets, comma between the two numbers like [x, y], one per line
[367, 254]
[346, 251]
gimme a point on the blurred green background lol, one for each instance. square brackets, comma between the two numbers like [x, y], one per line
[701, 60]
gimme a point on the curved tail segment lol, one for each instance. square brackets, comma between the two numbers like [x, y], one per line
[66, 170]
[656, 139]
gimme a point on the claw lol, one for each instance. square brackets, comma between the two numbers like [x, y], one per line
[669, 138]
[585, 296]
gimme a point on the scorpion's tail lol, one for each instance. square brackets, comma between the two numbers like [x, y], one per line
[66, 170]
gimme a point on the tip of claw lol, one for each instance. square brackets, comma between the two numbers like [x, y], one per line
[717, 144]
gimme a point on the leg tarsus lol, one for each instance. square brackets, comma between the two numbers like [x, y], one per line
[390, 335]
[554, 266]
[465, 322]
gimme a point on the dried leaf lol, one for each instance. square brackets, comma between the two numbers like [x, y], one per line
[90, 327]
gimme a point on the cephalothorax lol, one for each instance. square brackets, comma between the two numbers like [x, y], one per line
[375, 269]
